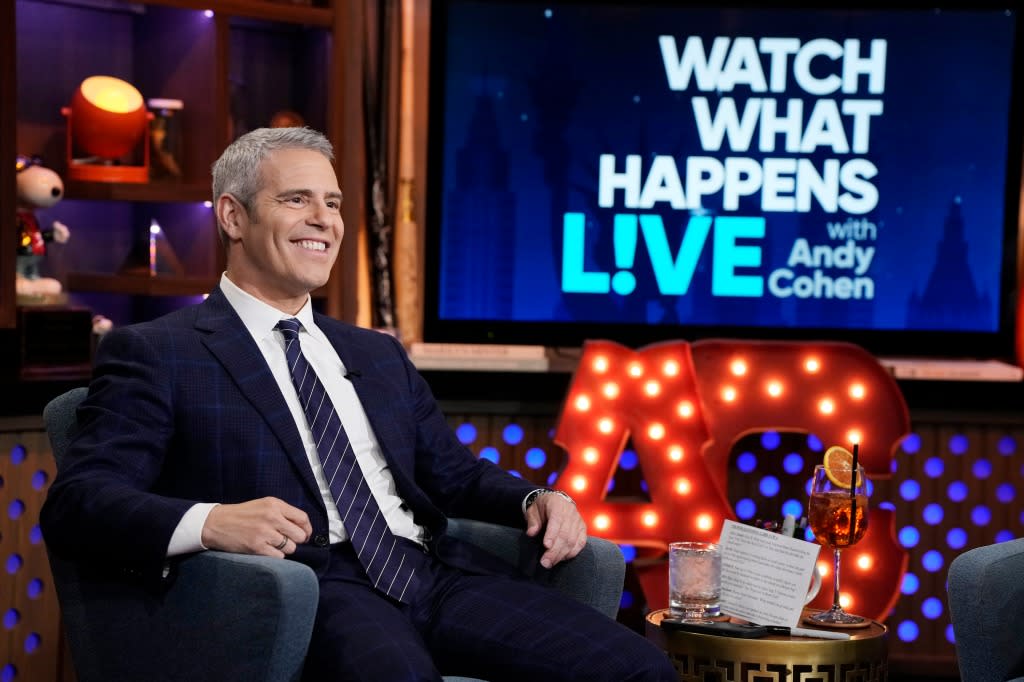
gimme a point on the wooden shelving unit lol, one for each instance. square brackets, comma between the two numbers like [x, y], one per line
[281, 12]
[232, 67]
[141, 285]
[233, 63]
[146, 192]
[156, 285]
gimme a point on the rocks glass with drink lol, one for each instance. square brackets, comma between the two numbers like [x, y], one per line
[838, 517]
[694, 580]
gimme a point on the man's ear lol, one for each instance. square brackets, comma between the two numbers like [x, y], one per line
[231, 215]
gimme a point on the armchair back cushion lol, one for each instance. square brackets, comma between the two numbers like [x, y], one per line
[986, 602]
[226, 616]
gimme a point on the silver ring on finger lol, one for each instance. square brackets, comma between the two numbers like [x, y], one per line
[283, 543]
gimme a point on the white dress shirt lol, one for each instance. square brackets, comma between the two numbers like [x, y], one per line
[260, 319]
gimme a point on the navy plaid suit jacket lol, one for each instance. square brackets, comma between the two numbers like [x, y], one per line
[184, 409]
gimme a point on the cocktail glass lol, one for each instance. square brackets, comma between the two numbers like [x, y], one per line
[838, 517]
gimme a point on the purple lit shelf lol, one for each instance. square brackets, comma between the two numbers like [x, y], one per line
[154, 192]
[140, 285]
[278, 10]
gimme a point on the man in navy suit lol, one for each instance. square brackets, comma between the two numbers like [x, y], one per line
[194, 437]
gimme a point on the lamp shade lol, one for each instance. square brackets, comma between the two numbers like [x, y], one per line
[108, 116]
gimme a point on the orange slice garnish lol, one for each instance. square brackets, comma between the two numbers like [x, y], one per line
[838, 464]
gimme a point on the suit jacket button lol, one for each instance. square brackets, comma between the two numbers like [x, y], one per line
[320, 540]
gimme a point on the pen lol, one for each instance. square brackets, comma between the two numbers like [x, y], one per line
[805, 632]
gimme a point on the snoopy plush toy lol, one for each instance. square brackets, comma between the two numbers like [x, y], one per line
[38, 187]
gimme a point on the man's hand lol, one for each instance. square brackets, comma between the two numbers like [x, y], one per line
[268, 526]
[565, 533]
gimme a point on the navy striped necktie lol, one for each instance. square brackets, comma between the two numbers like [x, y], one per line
[388, 562]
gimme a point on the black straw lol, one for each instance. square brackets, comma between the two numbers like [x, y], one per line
[853, 484]
[853, 495]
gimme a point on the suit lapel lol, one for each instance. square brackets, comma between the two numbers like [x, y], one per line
[373, 394]
[230, 342]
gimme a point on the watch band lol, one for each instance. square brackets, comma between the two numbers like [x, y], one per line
[533, 495]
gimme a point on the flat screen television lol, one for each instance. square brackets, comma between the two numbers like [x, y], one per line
[641, 171]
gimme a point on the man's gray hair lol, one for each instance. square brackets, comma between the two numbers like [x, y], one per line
[237, 172]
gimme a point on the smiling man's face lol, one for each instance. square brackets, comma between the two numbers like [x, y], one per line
[287, 245]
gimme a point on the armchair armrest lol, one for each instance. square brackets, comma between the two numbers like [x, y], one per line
[226, 616]
[986, 599]
[595, 576]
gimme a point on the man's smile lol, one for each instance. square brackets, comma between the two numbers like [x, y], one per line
[312, 245]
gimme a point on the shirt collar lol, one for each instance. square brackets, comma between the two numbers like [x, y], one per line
[258, 317]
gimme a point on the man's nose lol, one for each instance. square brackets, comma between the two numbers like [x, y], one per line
[320, 214]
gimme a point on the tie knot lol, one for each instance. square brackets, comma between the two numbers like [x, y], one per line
[289, 327]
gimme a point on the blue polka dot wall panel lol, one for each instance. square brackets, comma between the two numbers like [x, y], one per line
[520, 445]
[31, 647]
[524, 446]
[954, 487]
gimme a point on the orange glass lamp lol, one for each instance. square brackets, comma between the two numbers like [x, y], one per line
[107, 123]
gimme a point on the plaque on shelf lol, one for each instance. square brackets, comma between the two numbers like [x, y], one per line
[152, 255]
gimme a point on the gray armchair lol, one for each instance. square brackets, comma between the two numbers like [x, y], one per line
[986, 599]
[239, 617]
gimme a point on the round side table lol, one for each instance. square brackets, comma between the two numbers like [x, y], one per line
[711, 658]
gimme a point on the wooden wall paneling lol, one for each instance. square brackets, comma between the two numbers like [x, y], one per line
[421, 89]
[30, 646]
[8, 117]
[344, 129]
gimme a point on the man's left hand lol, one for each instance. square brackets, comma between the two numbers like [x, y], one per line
[565, 533]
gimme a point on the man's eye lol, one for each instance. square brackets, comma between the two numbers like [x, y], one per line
[334, 205]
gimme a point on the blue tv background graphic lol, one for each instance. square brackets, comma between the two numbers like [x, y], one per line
[573, 163]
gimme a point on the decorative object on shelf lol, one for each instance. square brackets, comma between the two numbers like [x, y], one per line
[38, 187]
[152, 255]
[101, 325]
[107, 121]
[165, 138]
[286, 118]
